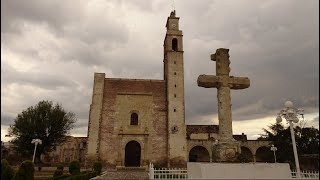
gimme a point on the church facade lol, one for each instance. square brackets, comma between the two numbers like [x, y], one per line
[136, 121]
[133, 122]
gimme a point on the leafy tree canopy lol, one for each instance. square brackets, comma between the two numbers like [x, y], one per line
[307, 140]
[45, 121]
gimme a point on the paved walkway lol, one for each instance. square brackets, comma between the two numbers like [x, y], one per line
[123, 174]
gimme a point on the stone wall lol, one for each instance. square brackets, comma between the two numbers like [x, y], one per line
[95, 117]
[73, 148]
[205, 136]
[122, 97]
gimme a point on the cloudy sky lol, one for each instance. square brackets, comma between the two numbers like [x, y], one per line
[51, 49]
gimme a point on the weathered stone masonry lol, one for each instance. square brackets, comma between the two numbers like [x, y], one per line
[148, 99]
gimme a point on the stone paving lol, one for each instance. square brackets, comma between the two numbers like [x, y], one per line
[123, 174]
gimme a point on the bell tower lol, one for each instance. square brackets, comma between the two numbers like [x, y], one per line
[174, 77]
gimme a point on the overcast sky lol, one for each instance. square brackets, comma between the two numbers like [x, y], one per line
[51, 49]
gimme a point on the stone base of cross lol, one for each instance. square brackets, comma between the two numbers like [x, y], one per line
[228, 148]
[226, 151]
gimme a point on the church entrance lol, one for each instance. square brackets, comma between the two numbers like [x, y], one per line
[132, 154]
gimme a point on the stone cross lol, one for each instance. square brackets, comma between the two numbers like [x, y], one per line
[223, 82]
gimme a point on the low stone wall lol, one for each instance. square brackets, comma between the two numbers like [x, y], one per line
[239, 171]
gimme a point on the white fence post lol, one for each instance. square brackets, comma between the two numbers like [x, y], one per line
[305, 174]
[151, 171]
[167, 173]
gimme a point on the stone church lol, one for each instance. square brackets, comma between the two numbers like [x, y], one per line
[133, 122]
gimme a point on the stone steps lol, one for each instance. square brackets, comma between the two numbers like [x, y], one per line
[131, 169]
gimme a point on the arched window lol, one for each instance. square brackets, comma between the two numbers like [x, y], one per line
[134, 119]
[174, 44]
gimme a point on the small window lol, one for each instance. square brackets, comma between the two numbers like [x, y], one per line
[174, 44]
[134, 119]
[175, 85]
[174, 129]
[175, 95]
[174, 62]
[175, 73]
[174, 110]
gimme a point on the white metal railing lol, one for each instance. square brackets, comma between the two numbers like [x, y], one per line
[167, 173]
[182, 173]
[305, 174]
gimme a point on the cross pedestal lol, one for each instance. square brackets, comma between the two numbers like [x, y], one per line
[228, 147]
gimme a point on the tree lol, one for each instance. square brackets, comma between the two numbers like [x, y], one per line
[307, 139]
[45, 121]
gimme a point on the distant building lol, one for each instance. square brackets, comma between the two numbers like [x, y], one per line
[74, 148]
[6, 150]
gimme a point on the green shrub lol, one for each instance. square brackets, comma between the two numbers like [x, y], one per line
[7, 173]
[4, 164]
[26, 171]
[57, 173]
[74, 167]
[60, 167]
[97, 166]
[63, 176]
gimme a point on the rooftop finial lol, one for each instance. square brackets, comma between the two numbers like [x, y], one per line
[173, 13]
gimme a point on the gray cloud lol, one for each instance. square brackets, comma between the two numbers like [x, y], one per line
[279, 55]
[77, 33]
[41, 79]
[50, 50]
[6, 119]
[53, 13]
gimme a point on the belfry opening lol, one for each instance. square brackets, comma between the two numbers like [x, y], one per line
[174, 44]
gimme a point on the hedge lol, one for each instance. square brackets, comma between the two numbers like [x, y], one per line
[26, 171]
[74, 167]
[7, 173]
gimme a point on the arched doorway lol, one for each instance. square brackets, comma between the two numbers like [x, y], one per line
[199, 154]
[246, 155]
[264, 154]
[132, 154]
